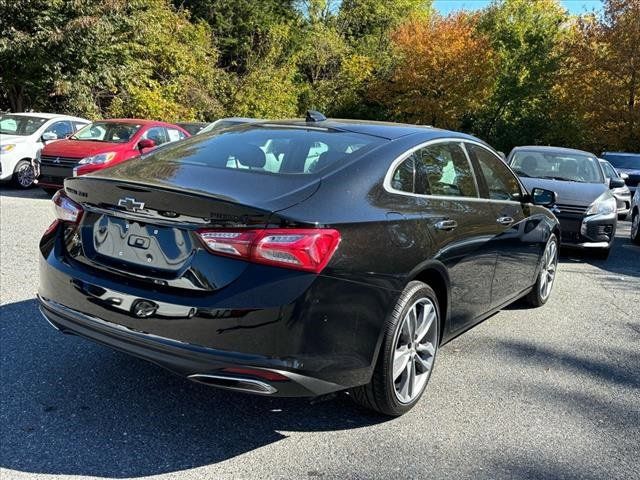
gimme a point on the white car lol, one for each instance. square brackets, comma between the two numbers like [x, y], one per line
[22, 136]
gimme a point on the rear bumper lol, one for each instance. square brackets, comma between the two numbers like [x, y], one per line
[321, 333]
[200, 364]
[591, 232]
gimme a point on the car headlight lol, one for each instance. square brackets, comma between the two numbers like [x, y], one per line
[7, 148]
[603, 205]
[99, 159]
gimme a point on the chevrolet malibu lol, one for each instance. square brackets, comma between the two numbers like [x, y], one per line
[298, 258]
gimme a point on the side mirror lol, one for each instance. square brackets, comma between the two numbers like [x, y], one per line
[624, 176]
[146, 143]
[542, 197]
[616, 183]
[48, 136]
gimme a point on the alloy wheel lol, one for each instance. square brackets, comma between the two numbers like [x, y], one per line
[549, 266]
[635, 224]
[25, 175]
[415, 347]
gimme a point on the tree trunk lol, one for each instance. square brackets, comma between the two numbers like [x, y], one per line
[16, 98]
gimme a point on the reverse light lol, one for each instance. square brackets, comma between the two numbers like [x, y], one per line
[603, 205]
[297, 248]
[66, 209]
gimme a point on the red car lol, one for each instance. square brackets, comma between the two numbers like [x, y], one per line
[99, 145]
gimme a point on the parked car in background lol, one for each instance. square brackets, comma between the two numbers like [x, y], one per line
[626, 164]
[622, 194]
[223, 123]
[343, 270]
[22, 136]
[585, 206]
[192, 127]
[100, 145]
[635, 217]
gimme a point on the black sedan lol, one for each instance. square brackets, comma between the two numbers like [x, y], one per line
[586, 206]
[298, 258]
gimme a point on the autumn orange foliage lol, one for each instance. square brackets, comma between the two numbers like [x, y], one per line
[444, 71]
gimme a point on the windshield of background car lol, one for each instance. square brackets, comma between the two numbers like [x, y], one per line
[112, 132]
[632, 162]
[273, 149]
[571, 167]
[22, 125]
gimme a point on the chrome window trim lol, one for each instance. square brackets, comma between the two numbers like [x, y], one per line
[406, 154]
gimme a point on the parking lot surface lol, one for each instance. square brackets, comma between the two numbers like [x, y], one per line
[547, 393]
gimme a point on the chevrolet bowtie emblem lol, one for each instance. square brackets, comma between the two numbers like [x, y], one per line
[131, 204]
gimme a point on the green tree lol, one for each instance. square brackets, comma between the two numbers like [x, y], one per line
[525, 35]
[240, 27]
[133, 58]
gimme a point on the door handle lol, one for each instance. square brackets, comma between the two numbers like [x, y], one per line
[446, 225]
[504, 220]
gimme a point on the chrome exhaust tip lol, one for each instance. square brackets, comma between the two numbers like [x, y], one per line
[249, 385]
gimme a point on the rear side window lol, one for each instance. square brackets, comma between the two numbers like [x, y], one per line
[157, 134]
[273, 149]
[501, 183]
[175, 134]
[62, 129]
[403, 178]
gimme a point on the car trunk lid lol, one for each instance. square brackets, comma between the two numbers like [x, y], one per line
[147, 230]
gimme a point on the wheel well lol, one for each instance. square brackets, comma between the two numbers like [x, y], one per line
[21, 160]
[437, 282]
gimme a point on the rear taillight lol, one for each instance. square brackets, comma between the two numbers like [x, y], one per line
[301, 249]
[66, 209]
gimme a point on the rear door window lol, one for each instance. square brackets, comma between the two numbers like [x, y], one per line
[62, 129]
[157, 134]
[443, 169]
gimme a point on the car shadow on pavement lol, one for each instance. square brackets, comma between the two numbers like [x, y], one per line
[33, 192]
[72, 407]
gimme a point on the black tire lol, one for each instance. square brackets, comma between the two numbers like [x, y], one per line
[535, 297]
[23, 175]
[379, 394]
[635, 227]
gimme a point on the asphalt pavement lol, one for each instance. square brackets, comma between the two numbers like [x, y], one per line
[552, 392]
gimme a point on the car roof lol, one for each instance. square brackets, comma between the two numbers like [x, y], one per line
[46, 115]
[540, 148]
[621, 154]
[386, 130]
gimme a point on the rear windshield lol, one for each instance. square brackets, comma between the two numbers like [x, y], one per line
[272, 149]
[632, 162]
[570, 167]
[112, 132]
